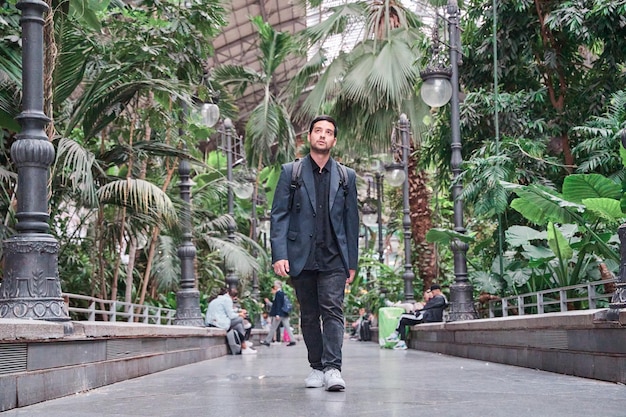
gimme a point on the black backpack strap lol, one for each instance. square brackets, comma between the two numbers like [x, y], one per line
[296, 169]
[343, 177]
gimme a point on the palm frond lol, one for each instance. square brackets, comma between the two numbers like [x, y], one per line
[235, 256]
[74, 52]
[139, 195]
[75, 164]
[335, 23]
[325, 88]
[236, 77]
[166, 266]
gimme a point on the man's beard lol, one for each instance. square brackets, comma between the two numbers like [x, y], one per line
[320, 150]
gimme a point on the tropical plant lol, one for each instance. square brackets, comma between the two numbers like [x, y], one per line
[270, 136]
[577, 238]
[117, 80]
[599, 135]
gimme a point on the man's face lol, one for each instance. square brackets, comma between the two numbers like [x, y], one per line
[322, 137]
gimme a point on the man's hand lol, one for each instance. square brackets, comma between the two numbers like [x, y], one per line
[281, 268]
[351, 276]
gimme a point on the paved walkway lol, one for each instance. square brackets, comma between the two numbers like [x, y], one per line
[380, 383]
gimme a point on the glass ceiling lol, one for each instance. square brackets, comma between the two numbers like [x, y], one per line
[237, 44]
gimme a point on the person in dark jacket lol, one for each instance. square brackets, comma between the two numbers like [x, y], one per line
[315, 240]
[278, 315]
[432, 312]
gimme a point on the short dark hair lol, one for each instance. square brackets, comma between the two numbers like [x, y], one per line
[326, 118]
[435, 287]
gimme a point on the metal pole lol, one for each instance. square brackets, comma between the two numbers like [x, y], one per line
[461, 291]
[31, 288]
[188, 311]
[253, 234]
[408, 275]
[231, 277]
[380, 216]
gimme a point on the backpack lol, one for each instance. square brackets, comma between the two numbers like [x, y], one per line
[234, 341]
[287, 306]
[365, 333]
[295, 179]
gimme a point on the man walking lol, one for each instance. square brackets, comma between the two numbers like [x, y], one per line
[314, 237]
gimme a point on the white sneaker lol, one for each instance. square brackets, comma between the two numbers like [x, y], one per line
[249, 343]
[401, 345]
[333, 380]
[315, 379]
[393, 337]
[248, 351]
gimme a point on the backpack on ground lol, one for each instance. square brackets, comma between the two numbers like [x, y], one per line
[296, 179]
[234, 342]
[365, 333]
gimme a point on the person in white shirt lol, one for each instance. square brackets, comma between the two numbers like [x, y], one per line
[221, 314]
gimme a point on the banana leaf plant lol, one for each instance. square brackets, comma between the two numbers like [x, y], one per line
[577, 232]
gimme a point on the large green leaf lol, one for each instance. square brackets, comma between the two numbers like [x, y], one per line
[558, 243]
[445, 236]
[485, 282]
[577, 187]
[521, 235]
[540, 205]
[538, 252]
[605, 208]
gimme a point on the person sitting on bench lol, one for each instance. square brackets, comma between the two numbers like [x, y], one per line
[432, 312]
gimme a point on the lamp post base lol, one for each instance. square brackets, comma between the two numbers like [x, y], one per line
[31, 288]
[462, 302]
[188, 308]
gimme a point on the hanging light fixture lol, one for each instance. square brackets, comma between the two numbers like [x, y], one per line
[436, 88]
[209, 114]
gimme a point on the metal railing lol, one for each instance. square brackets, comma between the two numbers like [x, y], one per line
[589, 295]
[86, 308]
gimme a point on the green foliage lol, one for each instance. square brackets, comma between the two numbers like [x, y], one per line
[600, 134]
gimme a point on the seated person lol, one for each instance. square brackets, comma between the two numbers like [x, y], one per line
[221, 313]
[364, 316]
[431, 312]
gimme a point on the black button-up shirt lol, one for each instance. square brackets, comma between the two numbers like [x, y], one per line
[324, 254]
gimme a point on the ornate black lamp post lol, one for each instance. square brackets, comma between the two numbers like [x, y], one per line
[379, 212]
[188, 311]
[398, 174]
[253, 232]
[243, 190]
[368, 212]
[232, 279]
[440, 85]
[31, 288]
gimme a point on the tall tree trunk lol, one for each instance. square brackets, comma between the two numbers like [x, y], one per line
[421, 222]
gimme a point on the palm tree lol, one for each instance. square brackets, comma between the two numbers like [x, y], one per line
[368, 88]
[270, 135]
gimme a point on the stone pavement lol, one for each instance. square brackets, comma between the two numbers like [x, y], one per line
[380, 382]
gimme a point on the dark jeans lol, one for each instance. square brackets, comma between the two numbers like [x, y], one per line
[320, 295]
[406, 320]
